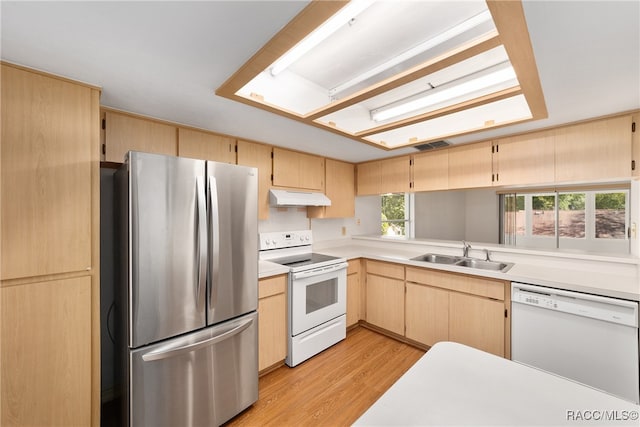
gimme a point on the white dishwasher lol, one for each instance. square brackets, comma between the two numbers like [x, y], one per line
[586, 338]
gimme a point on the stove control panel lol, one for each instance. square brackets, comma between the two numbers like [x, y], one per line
[285, 239]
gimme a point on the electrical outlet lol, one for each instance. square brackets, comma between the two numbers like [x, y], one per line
[344, 231]
[358, 221]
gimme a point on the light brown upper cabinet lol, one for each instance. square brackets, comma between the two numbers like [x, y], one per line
[369, 178]
[431, 171]
[396, 175]
[294, 169]
[50, 131]
[595, 150]
[340, 189]
[206, 146]
[524, 159]
[470, 166]
[258, 156]
[50, 264]
[124, 132]
[635, 146]
[384, 176]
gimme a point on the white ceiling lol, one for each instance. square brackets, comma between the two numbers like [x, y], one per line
[165, 60]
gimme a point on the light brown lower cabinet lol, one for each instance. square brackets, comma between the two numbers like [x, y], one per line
[385, 296]
[353, 292]
[46, 353]
[442, 306]
[427, 306]
[427, 314]
[272, 324]
[477, 322]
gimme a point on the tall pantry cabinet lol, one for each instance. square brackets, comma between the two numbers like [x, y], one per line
[49, 259]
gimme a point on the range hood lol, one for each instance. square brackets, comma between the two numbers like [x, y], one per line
[297, 198]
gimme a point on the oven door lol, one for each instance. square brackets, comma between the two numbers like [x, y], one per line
[317, 296]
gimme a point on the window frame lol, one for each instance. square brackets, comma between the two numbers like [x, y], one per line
[409, 214]
[590, 242]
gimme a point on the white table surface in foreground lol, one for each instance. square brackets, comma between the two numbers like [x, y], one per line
[453, 384]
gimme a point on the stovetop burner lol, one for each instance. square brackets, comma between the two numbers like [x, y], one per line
[304, 259]
[293, 249]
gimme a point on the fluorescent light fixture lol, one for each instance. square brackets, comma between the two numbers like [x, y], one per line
[499, 76]
[344, 15]
[417, 50]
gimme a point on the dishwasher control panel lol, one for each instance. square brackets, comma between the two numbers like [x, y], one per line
[586, 305]
[534, 299]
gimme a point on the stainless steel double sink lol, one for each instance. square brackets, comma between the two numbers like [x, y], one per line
[464, 262]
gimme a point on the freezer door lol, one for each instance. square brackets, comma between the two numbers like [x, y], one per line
[168, 247]
[233, 240]
[202, 379]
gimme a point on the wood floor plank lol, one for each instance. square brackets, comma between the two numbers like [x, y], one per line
[332, 388]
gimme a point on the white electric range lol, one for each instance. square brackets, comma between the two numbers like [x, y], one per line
[317, 293]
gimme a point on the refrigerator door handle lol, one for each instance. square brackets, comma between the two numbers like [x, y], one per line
[201, 231]
[177, 350]
[214, 238]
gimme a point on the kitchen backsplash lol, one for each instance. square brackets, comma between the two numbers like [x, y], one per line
[365, 222]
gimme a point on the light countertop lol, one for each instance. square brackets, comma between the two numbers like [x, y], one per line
[453, 384]
[268, 269]
[593, 274]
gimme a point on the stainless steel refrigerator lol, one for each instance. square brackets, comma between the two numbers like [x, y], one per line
[189, 271]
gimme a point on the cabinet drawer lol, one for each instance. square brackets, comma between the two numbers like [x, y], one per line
[354, 266]
[272, 286]
[385, 269]
[457, 282]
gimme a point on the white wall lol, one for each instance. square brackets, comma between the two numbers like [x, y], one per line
[440, 215]
[482, 216]
[448, 215]
[471, 215]
[365, 222]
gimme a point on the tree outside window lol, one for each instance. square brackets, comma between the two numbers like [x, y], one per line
[394, 215]
[593, 220]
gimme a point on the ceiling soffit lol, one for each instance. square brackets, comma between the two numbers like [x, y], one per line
[466, 67]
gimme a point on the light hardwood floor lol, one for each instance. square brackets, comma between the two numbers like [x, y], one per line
[333, 388]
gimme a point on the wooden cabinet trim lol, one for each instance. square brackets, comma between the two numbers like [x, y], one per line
[385, 303]
[272, 286]
[354, 266]
[385, 269]
[206, 146]
[474, 285]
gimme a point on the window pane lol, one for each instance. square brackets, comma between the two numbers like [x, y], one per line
[513, 217]
[520, 216]
[393, 228]
[544, 218]
[393, 207]
[571, 215]
[393, 215]
[610, 215]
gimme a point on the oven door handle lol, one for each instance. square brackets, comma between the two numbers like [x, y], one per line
[320, 271]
